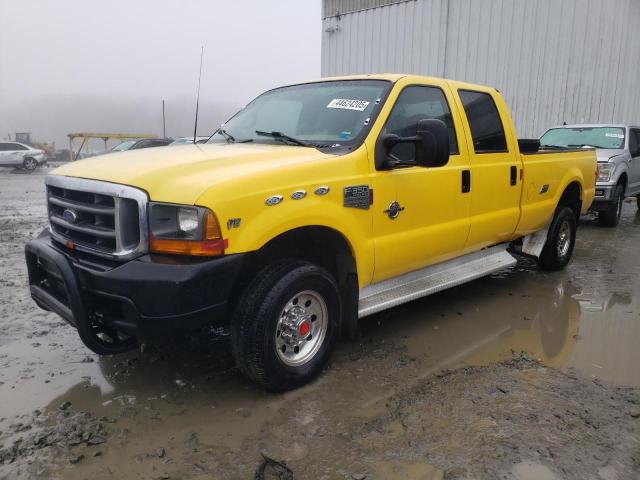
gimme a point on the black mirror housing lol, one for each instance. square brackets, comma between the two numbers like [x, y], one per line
[431, 142]
[433, 148]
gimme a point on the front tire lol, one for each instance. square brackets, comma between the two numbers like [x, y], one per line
[286, 325]
[611, 216]
[561, 239]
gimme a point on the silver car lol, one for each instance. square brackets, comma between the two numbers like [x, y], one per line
[618, 150]
[19, 155]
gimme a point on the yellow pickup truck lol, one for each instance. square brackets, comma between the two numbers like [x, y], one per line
[315, 205]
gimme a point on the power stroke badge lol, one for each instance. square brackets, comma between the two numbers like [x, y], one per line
[357, 196]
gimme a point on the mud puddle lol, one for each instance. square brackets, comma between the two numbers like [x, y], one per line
[184, 398]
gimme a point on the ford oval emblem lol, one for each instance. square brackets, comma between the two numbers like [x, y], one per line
[70, 216]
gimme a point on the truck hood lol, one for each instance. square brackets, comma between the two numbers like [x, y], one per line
[605, 154]
[180, 174]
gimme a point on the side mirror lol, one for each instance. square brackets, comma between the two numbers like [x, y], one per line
[529, 145]
[431, 142]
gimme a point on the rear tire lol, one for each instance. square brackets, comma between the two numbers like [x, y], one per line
[29, 164]
[286, 325]
[611, 216]
[561, 239]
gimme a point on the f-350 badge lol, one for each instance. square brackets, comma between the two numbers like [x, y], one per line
[357, 196]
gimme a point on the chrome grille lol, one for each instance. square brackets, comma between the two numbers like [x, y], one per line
[99, 217]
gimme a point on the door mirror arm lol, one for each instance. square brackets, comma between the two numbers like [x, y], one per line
[431, 142]
[389, 140]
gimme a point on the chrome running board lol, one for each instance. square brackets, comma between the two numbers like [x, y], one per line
[420, 283]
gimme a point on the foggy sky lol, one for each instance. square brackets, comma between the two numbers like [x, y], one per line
[79, 65]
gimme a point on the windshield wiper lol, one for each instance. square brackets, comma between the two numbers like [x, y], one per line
[284, 138]
[228, 137]
[554, 147]
[582, 145]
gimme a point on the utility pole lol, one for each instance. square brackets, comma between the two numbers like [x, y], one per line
[164, 125]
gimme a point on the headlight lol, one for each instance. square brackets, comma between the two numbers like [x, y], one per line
[605, 170]
[188, 220]
[184, 230]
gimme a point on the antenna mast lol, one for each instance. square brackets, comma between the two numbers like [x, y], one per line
[195, 128]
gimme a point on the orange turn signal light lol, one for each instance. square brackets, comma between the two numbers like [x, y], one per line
[212, 245]
[188, 247]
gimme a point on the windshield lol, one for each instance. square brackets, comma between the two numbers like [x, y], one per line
[123, 146]
[323, 114]
[598, 137]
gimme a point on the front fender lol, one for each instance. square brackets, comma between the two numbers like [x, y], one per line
[622, 168]
[258, 223]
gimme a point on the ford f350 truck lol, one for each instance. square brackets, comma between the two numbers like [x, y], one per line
[315, 205]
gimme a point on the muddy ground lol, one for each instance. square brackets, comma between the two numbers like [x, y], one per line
[434, 389]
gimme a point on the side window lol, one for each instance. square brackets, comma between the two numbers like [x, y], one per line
[4, 147]
[634, 141]
[417, 103]
[141, 144]
[487, 131]
[15, 147]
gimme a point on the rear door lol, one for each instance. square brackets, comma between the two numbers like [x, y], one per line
[495, 168]
[634, 173]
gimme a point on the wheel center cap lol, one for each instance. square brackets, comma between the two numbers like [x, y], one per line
[304, 328]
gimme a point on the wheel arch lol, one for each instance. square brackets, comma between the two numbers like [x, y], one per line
[318, 244]
[623, 180]
[572, 196]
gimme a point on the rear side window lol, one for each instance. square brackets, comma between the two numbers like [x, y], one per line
[417, 103]
[4, 147]
[487, 131]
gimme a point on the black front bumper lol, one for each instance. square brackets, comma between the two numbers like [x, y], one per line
[150, 295]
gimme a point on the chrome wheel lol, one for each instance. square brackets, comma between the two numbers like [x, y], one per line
[564, 239]
[301, 329]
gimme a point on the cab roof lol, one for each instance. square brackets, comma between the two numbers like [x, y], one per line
[394, 77]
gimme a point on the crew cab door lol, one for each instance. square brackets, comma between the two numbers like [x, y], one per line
[420, 215]
[633, 187]
[495, 168]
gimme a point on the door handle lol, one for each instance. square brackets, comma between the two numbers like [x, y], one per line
[514, 175]
[466, 181]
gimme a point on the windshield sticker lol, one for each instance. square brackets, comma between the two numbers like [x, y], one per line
[345, 135]
[347, 104]
[614, 135]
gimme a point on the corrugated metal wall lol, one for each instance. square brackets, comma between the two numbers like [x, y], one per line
[570, 60]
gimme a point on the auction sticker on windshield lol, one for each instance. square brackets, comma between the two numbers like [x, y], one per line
[614, 135]
[347, 104]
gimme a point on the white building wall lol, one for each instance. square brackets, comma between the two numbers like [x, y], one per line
[554, 60]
